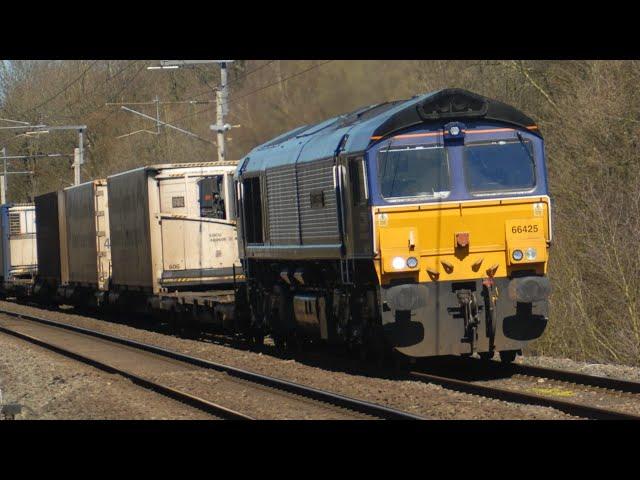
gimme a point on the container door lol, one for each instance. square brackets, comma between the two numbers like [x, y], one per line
[103, 245]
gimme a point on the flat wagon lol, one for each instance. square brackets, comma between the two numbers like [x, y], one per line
[173, 236]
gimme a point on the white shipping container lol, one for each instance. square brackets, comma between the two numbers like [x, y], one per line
[173, 226]
[18, 251]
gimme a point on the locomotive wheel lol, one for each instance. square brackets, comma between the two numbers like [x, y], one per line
[279, 343]
[257, 339]
[508, 356]
[363, 352]
[294, 344]
[400, 361]
[486, 356]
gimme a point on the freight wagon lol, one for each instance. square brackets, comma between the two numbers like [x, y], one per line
[173, 237]
[18, 251]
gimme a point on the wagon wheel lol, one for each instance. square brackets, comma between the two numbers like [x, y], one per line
[279, 342]
[508, 356]
[174, 322]
[258, 338]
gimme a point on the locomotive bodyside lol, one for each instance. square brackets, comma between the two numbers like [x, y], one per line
[387, 226]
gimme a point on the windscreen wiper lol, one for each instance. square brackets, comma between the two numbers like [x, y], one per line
[521, 138]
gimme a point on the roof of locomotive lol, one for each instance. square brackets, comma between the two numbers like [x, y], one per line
[356, 131]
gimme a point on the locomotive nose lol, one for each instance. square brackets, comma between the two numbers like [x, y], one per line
[529, 289]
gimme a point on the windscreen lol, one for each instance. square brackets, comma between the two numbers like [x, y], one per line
[499, 166]
[413, 172]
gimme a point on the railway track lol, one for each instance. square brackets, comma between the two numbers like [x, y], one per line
[493, 371]
[142, 362]
[497, 372]
[570, 377]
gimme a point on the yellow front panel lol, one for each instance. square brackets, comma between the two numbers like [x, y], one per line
[428, 232]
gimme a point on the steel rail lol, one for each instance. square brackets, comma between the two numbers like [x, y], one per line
[571, 377]
[353, 404]
[184, 397]
[571, 408]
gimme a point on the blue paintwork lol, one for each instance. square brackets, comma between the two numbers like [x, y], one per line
[320, 141]
[455, 154]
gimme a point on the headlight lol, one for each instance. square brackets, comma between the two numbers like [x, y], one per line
[517, 255]
[398, 263]
[412, 262]
[531, 253]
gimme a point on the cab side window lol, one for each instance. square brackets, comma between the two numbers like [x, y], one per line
[252, 206]
[212, 202]
[357, 181]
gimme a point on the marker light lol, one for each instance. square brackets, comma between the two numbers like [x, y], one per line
[398, 263]
[531, 253]
[455, 130]
[412, 262]
[517, 255]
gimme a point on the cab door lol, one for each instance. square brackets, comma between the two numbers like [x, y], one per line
[358, 235]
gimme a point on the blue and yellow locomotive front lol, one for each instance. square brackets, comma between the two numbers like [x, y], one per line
[461, 232]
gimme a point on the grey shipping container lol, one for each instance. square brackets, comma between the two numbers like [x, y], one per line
[51, 235]
[88, 234]
[173, 226]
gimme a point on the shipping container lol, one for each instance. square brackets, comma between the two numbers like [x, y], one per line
[51, 235]
[87, 214]
[18, 251]
[173, 227]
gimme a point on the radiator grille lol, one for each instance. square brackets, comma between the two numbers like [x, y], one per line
[313, 210]
[319, 219]
[283, 207]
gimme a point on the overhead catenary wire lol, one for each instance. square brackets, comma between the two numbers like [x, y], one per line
[95, 89]
[235, 80]
[113, 97]
[148, 117]
[235, 99]
[60, 92]
[109, 79]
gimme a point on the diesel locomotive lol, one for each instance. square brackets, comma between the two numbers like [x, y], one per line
[423, 225]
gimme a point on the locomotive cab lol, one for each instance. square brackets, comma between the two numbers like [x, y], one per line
[462, 229]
